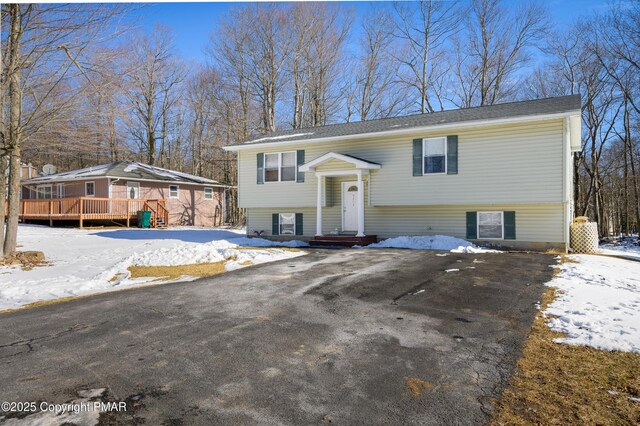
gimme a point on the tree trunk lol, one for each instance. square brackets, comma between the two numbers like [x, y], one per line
[13, 144]
[3, 189]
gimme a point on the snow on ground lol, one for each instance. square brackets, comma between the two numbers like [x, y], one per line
[85, 261]
[432, 242]
[628, 247]
[598, 304]
[84, 410]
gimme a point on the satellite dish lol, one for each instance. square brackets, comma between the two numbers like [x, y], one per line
[48, 169]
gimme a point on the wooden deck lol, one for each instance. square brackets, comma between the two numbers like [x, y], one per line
[91, 208]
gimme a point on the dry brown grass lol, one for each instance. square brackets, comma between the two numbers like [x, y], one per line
[166, 273]
[557, 384]
[292, 249]
[26, 259]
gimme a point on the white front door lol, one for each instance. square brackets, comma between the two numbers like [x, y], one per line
[133, 190]
[349, 206]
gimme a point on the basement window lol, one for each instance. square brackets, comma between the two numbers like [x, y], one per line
[287, 223]
[491, 225]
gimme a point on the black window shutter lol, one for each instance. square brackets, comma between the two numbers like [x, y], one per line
[417, 157]
[452, 155]
[275, 224]
[300, 162]
[299, 230]
[472, 228]
[509, 225]
[260, 161]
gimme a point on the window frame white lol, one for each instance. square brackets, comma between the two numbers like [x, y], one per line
[280, 223]
[280, 154]
[424, 144]
[61, 190]
[177, 191]
[93, 182]
[39, 192]
[208, 188]
[478, 224]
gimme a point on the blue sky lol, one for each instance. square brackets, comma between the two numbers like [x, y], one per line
[193, 22]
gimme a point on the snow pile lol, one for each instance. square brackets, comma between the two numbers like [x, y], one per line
[598, 304]
[86, 262]
[432, 242]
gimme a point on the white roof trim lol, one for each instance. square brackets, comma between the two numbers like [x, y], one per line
[359, 164]
[406, 131]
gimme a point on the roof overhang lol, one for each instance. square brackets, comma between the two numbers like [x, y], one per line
[36, 181]
[356, 162]
[409, 130]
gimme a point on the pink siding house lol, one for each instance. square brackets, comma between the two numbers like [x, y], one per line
[117, 191]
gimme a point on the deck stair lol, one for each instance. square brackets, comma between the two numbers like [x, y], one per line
[343, 240]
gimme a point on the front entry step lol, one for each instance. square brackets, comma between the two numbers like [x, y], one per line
[343, 240]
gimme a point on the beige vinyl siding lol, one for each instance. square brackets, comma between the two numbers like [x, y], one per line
[506, 164]
[534, 222]
[333, 165]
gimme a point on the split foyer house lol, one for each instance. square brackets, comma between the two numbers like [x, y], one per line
[499, 174]
[117, 191]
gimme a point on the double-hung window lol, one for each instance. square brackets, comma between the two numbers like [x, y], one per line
[89, 189]
[208, 193]
[491, 225]
[280, 167]
[173, 191]
[434, 151]
[287, 223]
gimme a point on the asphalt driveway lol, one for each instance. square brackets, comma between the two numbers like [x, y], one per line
[337, 336]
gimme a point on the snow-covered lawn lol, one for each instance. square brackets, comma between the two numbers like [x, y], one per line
[94, 261]
[598, 304]
[625, 247]
[432, 242]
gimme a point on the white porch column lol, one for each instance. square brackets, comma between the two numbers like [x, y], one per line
[360, 206]
[319, 207]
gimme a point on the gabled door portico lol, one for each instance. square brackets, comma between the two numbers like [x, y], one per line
[352, 167]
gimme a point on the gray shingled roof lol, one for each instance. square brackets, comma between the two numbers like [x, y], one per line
[125, 169]
[497, 111]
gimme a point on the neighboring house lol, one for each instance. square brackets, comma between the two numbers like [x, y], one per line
[499, 174]
[28, 171]
[116, 191]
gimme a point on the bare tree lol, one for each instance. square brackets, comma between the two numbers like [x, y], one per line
[377, 90]
[496, 44]
[43, 48]
[153, 74]
[268, 50]
[424, 28]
